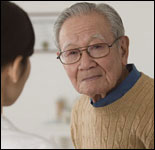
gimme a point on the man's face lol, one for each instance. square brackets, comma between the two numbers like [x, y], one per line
[92, 76]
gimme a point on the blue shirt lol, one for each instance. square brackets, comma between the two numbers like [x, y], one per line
[121, 89]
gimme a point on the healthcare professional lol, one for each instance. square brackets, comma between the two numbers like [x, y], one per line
[17, 43]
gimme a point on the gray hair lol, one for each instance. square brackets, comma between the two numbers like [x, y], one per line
[112, 16]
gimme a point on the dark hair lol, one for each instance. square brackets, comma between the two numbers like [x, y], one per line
[17, 34]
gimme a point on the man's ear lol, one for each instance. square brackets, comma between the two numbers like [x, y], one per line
[58, 53]
[14, 70]
[124, 46]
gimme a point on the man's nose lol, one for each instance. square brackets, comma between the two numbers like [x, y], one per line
[86, 62]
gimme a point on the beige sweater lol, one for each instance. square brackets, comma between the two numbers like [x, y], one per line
[128, 123]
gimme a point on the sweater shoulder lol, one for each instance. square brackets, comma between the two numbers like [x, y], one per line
[147, 79]
[81, 101]
[144, 88]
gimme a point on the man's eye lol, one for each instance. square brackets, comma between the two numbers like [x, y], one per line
[98, 46]
[71, 53]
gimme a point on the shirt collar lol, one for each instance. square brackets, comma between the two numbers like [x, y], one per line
[121, 89]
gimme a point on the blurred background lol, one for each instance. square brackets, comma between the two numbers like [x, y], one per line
[44, 106]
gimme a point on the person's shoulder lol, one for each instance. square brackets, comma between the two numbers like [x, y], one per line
[37, 142]
[146, 92]
[147, 85]
[23, 140]
[80, 102]
[147, 79]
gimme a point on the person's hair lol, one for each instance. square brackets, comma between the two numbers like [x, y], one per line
[83, 8]
[17, 34]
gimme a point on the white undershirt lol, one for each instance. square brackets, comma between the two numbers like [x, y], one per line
[13, 138]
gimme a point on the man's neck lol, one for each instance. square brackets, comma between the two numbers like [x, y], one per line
[124, 75]
[99, 96]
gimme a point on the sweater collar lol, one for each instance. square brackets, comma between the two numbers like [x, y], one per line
[121, 89]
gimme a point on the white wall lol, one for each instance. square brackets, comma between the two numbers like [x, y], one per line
[48, 80]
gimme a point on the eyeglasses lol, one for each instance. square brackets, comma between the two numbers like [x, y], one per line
[98, 50]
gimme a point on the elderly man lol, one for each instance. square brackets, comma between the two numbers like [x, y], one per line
[117, 106]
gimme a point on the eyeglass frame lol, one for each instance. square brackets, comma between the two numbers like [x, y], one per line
[85, 48]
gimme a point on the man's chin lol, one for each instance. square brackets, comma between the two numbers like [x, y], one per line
[90, 93]
[93, 93]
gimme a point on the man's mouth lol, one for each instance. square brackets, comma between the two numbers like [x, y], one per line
[91, 78]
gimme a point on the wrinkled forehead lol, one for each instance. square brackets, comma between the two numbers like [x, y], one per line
[72, 42]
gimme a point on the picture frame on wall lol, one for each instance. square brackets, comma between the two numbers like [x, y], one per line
[43, 24]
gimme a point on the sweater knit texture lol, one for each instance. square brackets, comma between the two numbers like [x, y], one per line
[127, 123]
